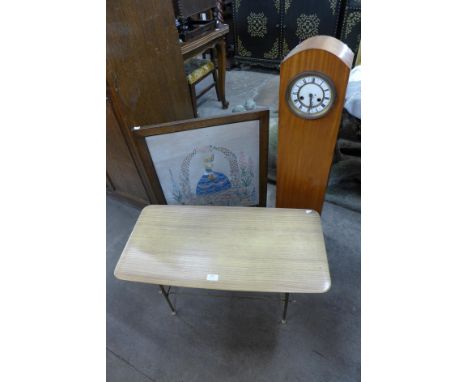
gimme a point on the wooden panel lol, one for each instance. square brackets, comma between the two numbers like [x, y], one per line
[257, 31]
[144, 64]
[305, 18]
[122, 174]
[286, 22]
[351, 25]
[245, 248]
[305, 146]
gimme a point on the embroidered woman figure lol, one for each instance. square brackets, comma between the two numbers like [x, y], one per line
[211, 181]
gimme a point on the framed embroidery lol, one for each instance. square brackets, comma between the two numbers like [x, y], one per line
[207, 161]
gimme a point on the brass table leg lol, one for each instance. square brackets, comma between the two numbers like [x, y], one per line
[166, 296]
[285, 311]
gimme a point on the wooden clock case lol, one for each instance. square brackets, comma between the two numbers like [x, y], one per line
[306, 146]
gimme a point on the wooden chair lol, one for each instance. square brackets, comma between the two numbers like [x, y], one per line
[196, 69]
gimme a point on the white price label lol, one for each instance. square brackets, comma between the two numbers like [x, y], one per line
[212, 277]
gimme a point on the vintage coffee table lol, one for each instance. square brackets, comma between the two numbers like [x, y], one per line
[250, 249]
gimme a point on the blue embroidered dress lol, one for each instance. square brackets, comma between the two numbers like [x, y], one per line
[212, 182]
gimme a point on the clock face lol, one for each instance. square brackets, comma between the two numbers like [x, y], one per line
[310, 95]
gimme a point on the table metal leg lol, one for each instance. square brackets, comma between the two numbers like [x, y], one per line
[285, 311]
[168, 289]
[166, 296]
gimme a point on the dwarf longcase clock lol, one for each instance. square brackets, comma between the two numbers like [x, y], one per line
[313, 81]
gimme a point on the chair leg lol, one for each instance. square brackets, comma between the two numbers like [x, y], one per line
[221, 54]
[193, 96]
[213, 57]
[215, 79]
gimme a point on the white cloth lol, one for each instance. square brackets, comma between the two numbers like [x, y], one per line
[353, 93]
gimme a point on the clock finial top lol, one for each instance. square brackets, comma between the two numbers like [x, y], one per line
[327, 43]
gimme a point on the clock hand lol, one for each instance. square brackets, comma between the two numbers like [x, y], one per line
[310, 97]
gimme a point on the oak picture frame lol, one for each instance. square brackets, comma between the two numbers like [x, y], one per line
[151, 178]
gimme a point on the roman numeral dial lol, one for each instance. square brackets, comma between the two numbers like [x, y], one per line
[310, 95]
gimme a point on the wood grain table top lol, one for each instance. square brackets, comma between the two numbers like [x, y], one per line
[227, 248]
